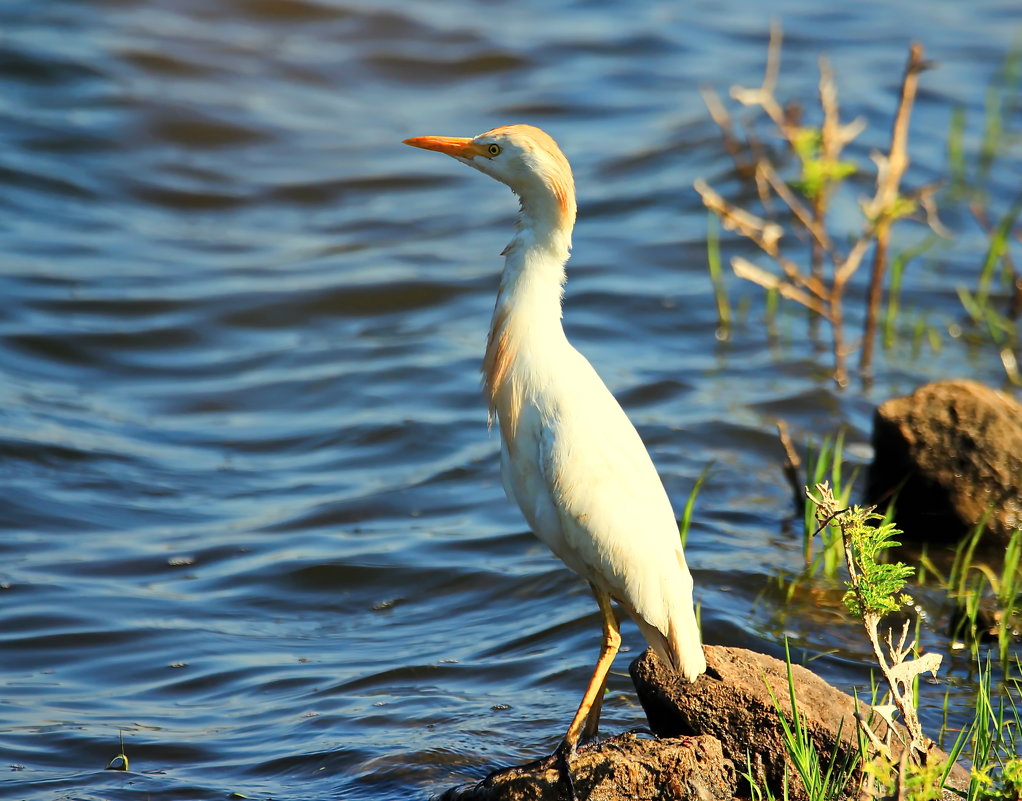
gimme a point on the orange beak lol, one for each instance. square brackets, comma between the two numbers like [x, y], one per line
[458, 146]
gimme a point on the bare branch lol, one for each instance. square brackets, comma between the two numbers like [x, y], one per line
[883, 204]
[830, 143]
[798, 278]
[924, 196]
[764, 95]
[905, 671]
[800, 211]
[773, 65]
[732, 143]
[822, 171]
[791, 465]
[1008, 357]
[875, 741]
[834, 136]
[750, 272]
[844, 269]
[763, 233]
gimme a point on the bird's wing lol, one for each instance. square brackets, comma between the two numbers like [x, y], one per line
[618, 530]
[613, 511]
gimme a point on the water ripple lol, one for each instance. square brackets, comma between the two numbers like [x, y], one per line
[252, 517]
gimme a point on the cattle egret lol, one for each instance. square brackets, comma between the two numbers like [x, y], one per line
[569, 456]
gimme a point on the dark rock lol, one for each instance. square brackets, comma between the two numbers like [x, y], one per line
[952, 451]
[619, 768]
[732, 703]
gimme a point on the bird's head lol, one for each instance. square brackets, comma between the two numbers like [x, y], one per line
[525, 158]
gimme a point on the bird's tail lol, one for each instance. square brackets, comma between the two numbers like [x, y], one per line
[681, 647]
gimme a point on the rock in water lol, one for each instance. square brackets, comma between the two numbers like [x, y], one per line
[732, 703]
[725, 719]
[619, 768]
[952, 451]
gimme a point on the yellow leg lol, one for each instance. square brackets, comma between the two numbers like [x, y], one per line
[592, 701]
[592, 727]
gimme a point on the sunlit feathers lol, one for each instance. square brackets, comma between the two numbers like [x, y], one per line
[570, 457]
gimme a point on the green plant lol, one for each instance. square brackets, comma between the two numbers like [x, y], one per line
[994, 739]
[717, 276]
[757, 791]
[825, 462]
[865, 772]
[990, 319]
[120, 761]
[874, 591]
[986, 594]
[821, 783]
[1007, 592]
[686, 514]
[901, 261]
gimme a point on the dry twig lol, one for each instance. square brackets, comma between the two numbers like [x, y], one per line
[764, 96]
[791, 464]
[819, 153]
[766, 279]
[732, 143]
[882, 210]
[765, 234]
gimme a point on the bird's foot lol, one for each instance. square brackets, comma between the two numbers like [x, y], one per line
[562, 760]
[559, 760]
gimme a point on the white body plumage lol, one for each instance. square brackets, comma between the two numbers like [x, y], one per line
[577, 468]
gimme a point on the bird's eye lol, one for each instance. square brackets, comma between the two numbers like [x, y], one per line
[493, 150]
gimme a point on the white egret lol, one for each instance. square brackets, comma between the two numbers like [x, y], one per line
[570, 457]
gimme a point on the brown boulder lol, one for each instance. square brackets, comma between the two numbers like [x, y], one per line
[725, 719]
[732, 703]
[952, 451]
[619, 768]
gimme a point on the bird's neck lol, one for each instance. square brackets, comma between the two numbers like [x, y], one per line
[526, 329]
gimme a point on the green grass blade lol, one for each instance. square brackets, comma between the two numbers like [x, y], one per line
[686, 514]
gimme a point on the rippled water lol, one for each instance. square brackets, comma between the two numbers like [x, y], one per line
[252, 515]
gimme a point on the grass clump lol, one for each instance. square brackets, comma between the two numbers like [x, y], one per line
[825, 460]
[820, 783]
[898, 760]
[993, 737]
[985, 594]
